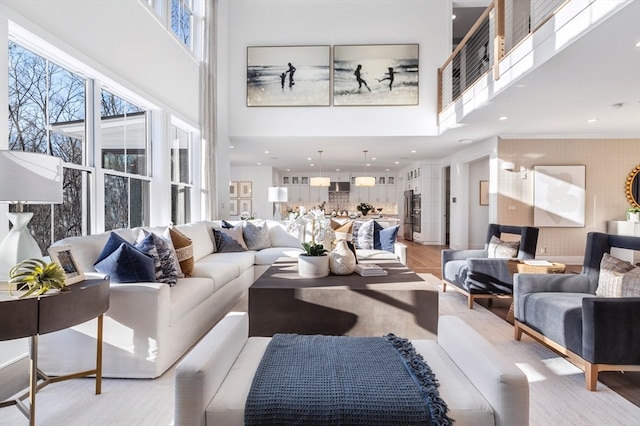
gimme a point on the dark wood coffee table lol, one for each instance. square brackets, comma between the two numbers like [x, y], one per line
[280, 301]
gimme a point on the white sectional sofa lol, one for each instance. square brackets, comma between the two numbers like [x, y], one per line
[150, 325]
[479, 385]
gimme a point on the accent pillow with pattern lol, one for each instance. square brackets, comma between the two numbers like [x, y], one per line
[164, 256]
[617, 278]
[256, 235]
[363, 235]
[184, 249]
[229, 240]
[499, 249]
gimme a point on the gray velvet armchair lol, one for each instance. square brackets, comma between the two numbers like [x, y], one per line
[475, 274]
[563, 312]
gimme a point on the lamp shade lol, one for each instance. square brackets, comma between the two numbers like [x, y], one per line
[39, 177]
[277, 194]
[320, 181]
[365, 181]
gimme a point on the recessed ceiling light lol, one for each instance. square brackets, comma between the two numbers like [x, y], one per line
[465, 140]
[638, 44]
[374, 158]
[288, 170]
[592, 120]
[231, 146]
[453, 16]
[311, 165]
[504, 117]
[266, 152]
[259, 163]
[387, 170]
[413, 151]
[337, 170]
[308, 158]
[396, 162]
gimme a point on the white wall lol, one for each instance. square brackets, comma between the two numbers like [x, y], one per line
[478, 215]
[334, 22]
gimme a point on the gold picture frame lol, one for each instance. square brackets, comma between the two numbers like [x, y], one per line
[244, 189]
[62, 256]
[233, 189]
[484, 192]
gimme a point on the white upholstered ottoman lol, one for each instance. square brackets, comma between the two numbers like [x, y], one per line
[478, 384]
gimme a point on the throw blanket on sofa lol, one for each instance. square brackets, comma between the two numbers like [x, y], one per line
[332, 380]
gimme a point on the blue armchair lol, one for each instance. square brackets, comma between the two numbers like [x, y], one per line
[477, 275]
[563, 312]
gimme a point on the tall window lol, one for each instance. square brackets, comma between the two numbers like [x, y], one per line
[181, 181]
[123, 130]
[182, 20]
[47, 105]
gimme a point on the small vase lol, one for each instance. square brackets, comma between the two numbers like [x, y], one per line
[342, 261]
[313, 266]
[633, 216]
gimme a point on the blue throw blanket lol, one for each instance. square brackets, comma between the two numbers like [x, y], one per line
[338, 380]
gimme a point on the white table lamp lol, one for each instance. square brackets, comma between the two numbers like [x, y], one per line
[25, 178]
[277, 195]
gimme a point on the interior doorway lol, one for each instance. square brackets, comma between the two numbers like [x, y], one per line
[447, 203]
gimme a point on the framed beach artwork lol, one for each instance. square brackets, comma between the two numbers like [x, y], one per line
[288, 76]
[559, 196]
[385, 74]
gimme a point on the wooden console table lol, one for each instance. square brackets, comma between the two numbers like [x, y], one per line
[51, 312]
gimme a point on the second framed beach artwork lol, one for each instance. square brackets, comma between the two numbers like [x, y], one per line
[288, 76]
[384, 74]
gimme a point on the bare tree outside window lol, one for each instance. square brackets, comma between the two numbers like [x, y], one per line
[47, 115]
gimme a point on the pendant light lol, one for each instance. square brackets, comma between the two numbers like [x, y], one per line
[365, 180]
[320, 180]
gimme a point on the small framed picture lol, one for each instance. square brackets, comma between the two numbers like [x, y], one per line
[294, 180]
[391, 180]
[381, 180]
[244, 206]
[285, 180]
[304, 180]
[233, 189]
[233, 208]
[62, 256]
[245, 189]
[484, 192]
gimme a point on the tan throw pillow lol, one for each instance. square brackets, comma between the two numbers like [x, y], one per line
[611, 279]
[344, 232]
[184, 250]
[499, 249]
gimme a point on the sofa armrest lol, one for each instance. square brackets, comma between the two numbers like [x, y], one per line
[145, 305]
[199, 375]
[400, 250]
[556, 283]
[492, 270]
[499, 381]
[447, 255]
[610, 333]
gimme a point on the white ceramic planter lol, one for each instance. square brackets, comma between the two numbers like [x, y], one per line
[342, 260]
[313, 266]
[633, 217]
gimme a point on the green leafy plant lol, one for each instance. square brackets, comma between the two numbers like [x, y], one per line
[633, 209]
[313, 249]
[35, 276]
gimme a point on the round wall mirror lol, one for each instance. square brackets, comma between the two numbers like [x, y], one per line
[632, 187]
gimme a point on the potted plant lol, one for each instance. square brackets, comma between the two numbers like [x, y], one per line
[314, 262]
[364, 208]
[633, 214]
[35, 276]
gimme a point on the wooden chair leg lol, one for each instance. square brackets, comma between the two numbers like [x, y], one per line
[444, 287]
[517, 331]
[591, 375]
[470, 300]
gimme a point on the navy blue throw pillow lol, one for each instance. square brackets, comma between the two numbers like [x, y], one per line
[112, 245]
[376, 235]
[126, 264]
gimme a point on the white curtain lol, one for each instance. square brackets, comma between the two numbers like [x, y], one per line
[208, 112]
